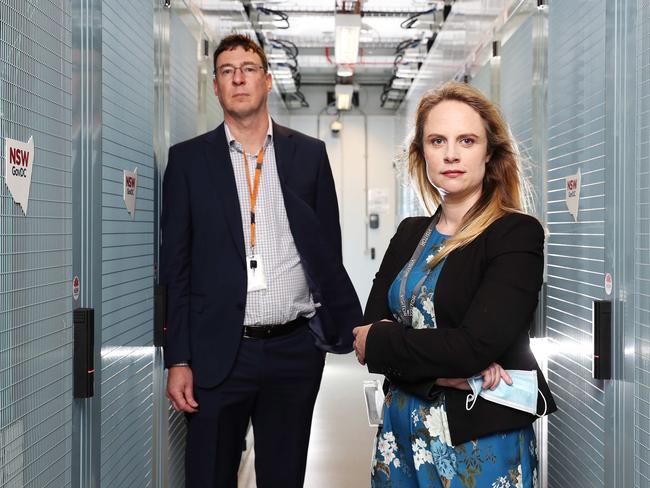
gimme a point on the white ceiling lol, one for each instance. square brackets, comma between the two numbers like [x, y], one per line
[311, 29]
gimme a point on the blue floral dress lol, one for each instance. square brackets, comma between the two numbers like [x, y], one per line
[413, 448]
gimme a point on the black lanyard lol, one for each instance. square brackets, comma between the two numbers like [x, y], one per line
[406, 310]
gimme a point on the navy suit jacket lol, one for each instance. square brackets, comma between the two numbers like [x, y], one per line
[203, 258]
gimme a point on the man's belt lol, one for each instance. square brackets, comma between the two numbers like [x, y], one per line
[270, 331]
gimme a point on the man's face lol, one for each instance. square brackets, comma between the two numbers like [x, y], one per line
[241, 83]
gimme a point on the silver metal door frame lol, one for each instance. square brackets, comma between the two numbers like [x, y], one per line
[620, 219]
[87, 211]
[160, 146]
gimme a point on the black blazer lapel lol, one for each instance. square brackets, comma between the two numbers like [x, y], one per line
[220, 170]
[285, 149]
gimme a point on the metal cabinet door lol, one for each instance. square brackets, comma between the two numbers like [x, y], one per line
[640, 377]
[114, 248]
[36, 248]
[182, 75]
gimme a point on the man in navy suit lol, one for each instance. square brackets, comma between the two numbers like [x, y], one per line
[256, 289]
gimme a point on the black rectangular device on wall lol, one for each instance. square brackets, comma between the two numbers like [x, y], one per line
[602, 337]
[83, 362]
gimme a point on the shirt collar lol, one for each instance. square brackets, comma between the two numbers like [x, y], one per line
[232, 142]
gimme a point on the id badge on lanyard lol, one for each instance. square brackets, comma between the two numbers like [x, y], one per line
[255, 270]
[254, 266]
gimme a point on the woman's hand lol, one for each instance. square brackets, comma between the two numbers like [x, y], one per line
[492, 376]
[360, 333]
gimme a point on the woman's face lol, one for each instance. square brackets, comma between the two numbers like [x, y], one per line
[455, 150]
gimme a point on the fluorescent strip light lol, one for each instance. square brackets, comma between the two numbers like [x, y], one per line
[277, 56]
[413, 55]
[343, 94]
[343, 101]
[281, 72]
[348, 30]
[406, 72]
[401, 83]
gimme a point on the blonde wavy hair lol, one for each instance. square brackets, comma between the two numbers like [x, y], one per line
[501, 184]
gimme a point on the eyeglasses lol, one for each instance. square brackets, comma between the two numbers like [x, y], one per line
[249, 70]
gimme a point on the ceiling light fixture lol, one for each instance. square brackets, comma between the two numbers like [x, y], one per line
[346, 43]
[343, 94]
[344, 71]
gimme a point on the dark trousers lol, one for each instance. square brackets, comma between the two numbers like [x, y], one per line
[274, 382]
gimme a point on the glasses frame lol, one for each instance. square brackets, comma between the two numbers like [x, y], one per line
[241, 67]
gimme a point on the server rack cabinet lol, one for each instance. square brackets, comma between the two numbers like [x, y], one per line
[36, 247]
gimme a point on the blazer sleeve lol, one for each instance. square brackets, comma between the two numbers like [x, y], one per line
[327, 207]
[498, 314]
[377, 304]
[176, 244]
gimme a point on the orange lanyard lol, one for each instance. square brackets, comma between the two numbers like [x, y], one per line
[254, 190]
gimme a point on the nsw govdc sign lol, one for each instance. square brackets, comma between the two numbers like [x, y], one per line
[130, 188]
[19, 159]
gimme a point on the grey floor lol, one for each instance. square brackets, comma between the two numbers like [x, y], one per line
[341, 440]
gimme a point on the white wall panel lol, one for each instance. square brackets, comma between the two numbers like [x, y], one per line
[346, 152]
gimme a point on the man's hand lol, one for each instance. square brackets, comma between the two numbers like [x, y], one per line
[179, 389]
[360, 333]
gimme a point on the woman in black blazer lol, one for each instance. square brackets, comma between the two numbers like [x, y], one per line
[456, 293]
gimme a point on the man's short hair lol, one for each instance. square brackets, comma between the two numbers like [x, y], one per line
[234, 41]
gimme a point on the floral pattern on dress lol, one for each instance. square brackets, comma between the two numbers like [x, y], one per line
[417, 319]
[421, 454]
[436, 423]
[426, 302]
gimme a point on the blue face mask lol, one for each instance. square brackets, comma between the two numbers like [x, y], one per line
[521, 395]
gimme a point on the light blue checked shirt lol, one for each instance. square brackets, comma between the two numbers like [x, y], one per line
[287, 293]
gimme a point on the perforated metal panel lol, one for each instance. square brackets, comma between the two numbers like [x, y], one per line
[575, 250]
[183, 81]
[516, 93]
[516, 82]
[36, 250]
[642, 255]
[127, 244]
[213, 111]
[483, 80]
